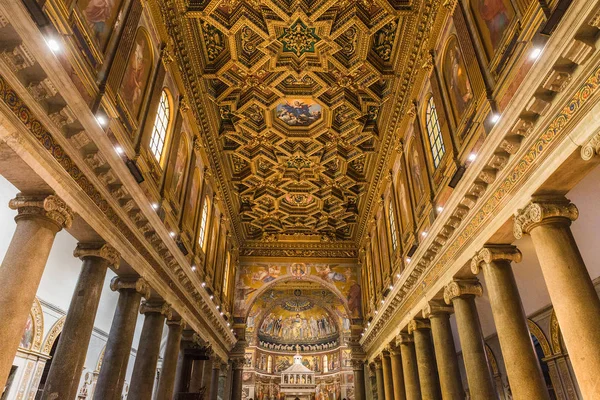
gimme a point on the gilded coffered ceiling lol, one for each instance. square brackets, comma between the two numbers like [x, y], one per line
[298, 102]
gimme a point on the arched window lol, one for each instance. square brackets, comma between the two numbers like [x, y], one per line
[226, 273]
[325, 364]
[161, 125]
[392, 221]
[270, 364]
[434, 133]
[203, 223]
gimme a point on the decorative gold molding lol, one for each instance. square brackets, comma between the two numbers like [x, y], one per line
[461, 288]
[491, 253]
[53, 334]
[99, 250]
[48, 206]
[541, 210]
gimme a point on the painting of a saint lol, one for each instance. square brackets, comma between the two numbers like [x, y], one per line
[179, 169]
[355, 300]
[327, 274]
[297, 112]
[27, 338]
[299, 270]
[493, 17]
[192, 199]
[100, 16]
[267, 274]
[416, 169]
[137, 73]
[456, 78]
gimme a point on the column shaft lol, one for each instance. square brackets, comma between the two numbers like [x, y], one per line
[479, 376]
[409, 366]
[214, 379]
[522, 366]
[379, 378]
[574, 299]
[387, 376]
[445, 355]
[359, 380]
[144, 369]
[236, 383]
[67, 364]
[428, 376]
[397, 374]
[22, 269]
[118, 348]
[168, 373]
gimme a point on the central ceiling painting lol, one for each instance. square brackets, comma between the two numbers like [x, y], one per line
[294, 99]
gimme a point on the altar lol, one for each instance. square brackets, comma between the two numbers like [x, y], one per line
[298, 381]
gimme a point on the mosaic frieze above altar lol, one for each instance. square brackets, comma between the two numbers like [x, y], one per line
[292, 96]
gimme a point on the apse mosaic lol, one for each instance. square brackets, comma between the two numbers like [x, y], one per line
[285, 324]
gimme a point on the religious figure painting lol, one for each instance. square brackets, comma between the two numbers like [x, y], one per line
[417, 171]
[493, 18]
[286, 326]
[192, 199]
[179, 169]
[404, 200]
[299, 112]
[137, 73]
[100, 17]
[27, 338]
[355, 300]
[457, 81]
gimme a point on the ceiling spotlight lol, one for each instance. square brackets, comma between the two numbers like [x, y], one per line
[424, 233]
[221, 313]
[368, 324]
[440, 209]
[391, 287]
[203, 284]
[101, 120]
[193, 267]
[535, 53]
[53, 44]
[376, 312]
[407, 259]
[155, 206]
[212, 297]
[228, 324]
[172, 234]
[398, 276]
[472, 157]
[495, 118]
[382, 301]
[119, 150]
[218, 307]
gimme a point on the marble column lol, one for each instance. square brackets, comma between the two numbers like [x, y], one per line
[445, 352]
[118, 347]
[379, 378]
[214, 378]
[144, 369]
[166, 385]
[358, 366]
[67, 364]
[397, 374]
[387, 375]
[39, 218]
[409, 366]
[373, 379]
[428, 375]
[571, 289]
[237, 366]
[461, 293]
[521, 362]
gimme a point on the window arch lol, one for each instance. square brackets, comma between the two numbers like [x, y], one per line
[226, 273]
[204, 223]
[392, 221]
[158, 139]
[434, 133]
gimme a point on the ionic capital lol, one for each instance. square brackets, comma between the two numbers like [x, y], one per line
[540, 211]
[462, 288]
[156, 308]
[435, 308]
[139, 285]
[592, 148]
[99, 250]
[491, 253]
[47, 206]
[404, 338]
[418, 324]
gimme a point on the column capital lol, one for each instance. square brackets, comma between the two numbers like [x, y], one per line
[216, 361]
[541, 210]
[591, 148]
[394, 348]
[176, 322]
[404, 338]
[162, 308]
[357, 365]
[378, 361]
[51, 207]
[435, 308]
[139, 285]
[371, 370]
[237, 362]
[99, 250]
[494, 252]
[461, 288]
[418, 324]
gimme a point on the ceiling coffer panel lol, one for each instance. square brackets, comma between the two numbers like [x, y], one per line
[294, 99]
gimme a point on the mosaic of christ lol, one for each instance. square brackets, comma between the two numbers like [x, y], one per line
[299, 112]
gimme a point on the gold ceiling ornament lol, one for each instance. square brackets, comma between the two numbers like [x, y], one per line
[304, 109]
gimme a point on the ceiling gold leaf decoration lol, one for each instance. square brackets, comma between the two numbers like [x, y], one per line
[299, 101]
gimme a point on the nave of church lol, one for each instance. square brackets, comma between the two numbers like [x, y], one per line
[299, 199]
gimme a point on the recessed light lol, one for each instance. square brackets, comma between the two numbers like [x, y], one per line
[398, 276]
[495, 118]
[193, 267]
[535, 53]
[472, 157]
[391, 287]
[203, 284]
[424, 233]
[53, 44]
[407, 259]
[382, 301]
[172, 234]
[212, 297]
[228, 324]
[155, 206]
[221, 313]
[440, 209]
[218, 307]
[101, 120]
[376, 312]
[119, 150]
